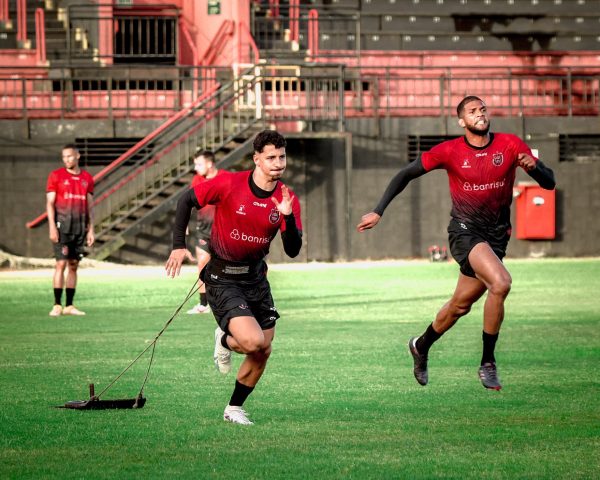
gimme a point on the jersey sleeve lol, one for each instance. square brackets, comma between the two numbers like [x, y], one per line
[434, 158]
[211, 191]
[91, 185]
[296, 212]
[522, 147]
[52, 183]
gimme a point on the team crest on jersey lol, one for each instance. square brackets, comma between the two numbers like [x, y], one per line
[274, 216]
[241, 210]
[497, 159]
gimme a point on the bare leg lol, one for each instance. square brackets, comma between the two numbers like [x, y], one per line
[203, 258]
[493, 274]
[58, 281]
[248, 338]
[72, 273]
[468, 290]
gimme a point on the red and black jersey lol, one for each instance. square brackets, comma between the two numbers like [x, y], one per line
[71, 205]
[244, 224]
[206, 214]
[481, 179]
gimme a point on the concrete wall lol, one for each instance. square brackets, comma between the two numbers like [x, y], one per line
[419, 217]
[333, 197]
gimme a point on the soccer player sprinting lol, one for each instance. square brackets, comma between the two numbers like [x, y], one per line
[69, 207]
[481, 170]
[206, 169]
[251, 207]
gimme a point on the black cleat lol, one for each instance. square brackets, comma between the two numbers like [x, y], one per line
[489, 376]
[420, 369]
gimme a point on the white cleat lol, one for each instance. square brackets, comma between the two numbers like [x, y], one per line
[198, 309]
[236, 415]
[222, 356]
[72, 310]
[56, 311]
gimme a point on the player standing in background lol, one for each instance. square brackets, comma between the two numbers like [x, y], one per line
[69, 193]
[251, 207]
[204, 164]
[481, 170]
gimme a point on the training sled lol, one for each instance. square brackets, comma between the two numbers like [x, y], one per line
[94, 403]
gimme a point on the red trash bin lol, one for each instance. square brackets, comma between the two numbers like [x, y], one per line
[536, 213]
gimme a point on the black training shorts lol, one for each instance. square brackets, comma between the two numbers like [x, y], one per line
[201, 236]
[70, 247]
[231, 296]
[463, 237]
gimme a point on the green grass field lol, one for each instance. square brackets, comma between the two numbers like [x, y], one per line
[338, 399]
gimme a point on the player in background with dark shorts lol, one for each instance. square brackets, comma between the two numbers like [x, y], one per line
[69, 207]
[481, 170]
[206, 169]
[251, 207]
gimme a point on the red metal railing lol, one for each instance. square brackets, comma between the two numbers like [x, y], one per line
[21, 21]
[129, 153]
[4, 18]
[313, 32]
[246, 31]
[294, 20]
[225, 32]
[40, 36]
[190, 42]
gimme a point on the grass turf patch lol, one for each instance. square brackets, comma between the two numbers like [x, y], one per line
[338, 399]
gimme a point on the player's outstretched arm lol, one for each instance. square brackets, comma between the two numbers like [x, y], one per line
[182, 217]
[413, 170]
[538, 171]
[178, 255]
[368, 221]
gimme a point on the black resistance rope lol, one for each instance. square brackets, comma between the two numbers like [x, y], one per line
[191, 293]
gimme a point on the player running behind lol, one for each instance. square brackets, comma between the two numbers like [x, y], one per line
[204, 164]
[251, 207]
[69, 193]
[481, 170]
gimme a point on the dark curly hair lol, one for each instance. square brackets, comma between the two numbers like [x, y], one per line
[268, 137]
[461, 106]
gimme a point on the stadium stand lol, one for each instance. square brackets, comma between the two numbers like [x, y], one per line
[298, 64]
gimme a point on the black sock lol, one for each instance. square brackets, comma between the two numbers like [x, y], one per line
[70, 295]
[203, 300]
[58, 296]
[224, 342]
[240, 394]
[425, 341]
[489, 344]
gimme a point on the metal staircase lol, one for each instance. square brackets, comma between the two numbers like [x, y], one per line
[143, 185]
[130, 197]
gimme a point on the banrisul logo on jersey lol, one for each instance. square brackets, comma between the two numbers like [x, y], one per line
[274, 216]
[244, 237]
[498, 159]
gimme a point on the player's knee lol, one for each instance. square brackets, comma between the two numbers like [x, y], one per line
[461, 309]
[73, 264]
[501, 285]
[252, 345]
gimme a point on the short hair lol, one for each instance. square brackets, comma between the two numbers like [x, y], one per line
[461, 106]
[207, 154]
[70, 146]
[268, 137]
